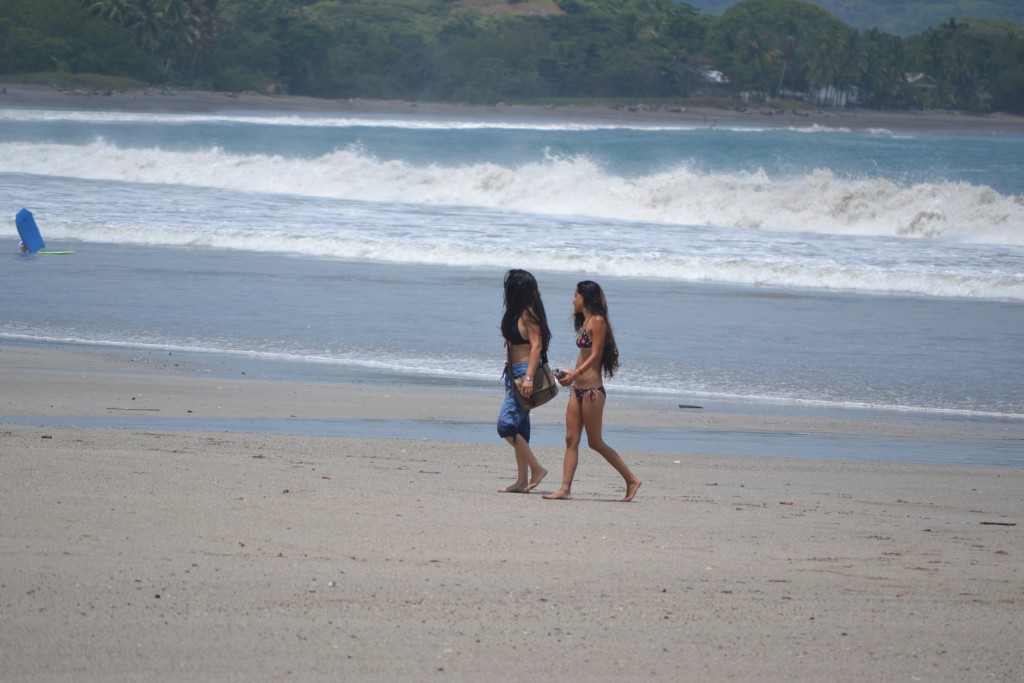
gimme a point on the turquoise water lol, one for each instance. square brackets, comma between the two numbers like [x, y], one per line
[832, 269]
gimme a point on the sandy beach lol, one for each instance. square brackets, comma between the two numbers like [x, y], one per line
[159, 100]
[131, 551]
[138, 554]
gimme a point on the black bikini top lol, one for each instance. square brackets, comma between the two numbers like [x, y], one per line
[517, 338]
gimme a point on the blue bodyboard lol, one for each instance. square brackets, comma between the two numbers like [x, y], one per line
[29, 231]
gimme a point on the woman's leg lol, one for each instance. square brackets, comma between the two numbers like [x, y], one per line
[537, 472]
[521, 465]
[514, 427]
[573, 432]
[530, 472]
[593, 421]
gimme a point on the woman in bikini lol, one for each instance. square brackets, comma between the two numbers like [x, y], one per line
[598, 354]
[525, 329]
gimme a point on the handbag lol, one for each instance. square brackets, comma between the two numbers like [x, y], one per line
[545, 386]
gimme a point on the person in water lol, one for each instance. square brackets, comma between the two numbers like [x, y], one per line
[598, 354]
[524, 326]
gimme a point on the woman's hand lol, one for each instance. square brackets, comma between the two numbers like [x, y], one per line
[527, 387]
[564, 378]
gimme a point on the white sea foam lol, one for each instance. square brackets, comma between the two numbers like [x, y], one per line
[485, 120]
[816, 202]
[694, 261]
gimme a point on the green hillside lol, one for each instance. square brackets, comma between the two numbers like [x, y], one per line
[755, 53]
[900, 17]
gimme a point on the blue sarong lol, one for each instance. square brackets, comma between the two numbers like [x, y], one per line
[512, 420]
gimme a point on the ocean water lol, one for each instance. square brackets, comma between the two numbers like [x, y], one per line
[827, 268]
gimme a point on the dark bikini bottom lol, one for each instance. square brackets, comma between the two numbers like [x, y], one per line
[580, 393]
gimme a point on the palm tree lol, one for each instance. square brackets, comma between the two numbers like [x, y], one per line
[962, 72]
[885, 76]
[788, 50]
[165, 29]
[120, 11]
[205, 13]
[756, 58]
[146, 27]
[177, 30]
[852, 61]
[822, 68]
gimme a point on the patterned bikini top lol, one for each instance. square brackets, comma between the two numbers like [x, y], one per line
[583, 340]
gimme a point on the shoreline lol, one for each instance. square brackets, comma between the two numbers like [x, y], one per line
[155, 100]
[144, 555]
[60, 385]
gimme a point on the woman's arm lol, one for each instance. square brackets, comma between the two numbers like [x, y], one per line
[536, 346]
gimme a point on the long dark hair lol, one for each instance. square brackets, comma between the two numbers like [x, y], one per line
[594, 301]
[522, 298]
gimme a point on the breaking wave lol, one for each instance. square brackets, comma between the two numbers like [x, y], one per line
[816, 202]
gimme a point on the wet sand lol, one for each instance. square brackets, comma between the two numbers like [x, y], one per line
[138, 554]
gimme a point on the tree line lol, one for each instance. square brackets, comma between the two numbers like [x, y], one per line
[442, 50]
[902, 17]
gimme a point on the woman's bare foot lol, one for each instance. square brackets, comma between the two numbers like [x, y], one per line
[631, 489]
[561, 494]
[537, 478]
[515, 488]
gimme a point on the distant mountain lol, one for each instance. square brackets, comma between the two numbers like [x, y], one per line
[899, 17]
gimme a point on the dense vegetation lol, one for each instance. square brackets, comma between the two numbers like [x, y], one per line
[517, 50]
[901, 17]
